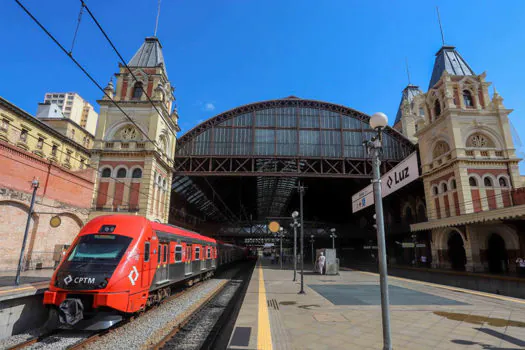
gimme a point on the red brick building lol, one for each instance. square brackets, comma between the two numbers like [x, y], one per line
[30, 149]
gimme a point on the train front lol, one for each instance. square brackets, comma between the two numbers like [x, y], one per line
[99, 278]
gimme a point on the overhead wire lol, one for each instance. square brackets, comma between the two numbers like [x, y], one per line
[69, 54]
[99, 171]
[88, 75]
[81, 68]
[124, 62]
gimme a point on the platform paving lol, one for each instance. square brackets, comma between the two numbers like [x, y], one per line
[31, 282]
[344, 312]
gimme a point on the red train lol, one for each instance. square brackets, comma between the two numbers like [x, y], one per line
[121, 264]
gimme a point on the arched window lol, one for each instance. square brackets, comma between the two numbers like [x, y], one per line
[488, 182]
[137, 173]
[437, 109]
[409, 216]
[137, 91]
[467, 99]
[435, 190]
[441, 148]
[453, 185]
[121, 173]
[478, 140]
[502, 182]
[444, 188]
[472, 181]
[164, 183]
[106, 172]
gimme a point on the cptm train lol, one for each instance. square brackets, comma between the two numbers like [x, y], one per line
[119, 265]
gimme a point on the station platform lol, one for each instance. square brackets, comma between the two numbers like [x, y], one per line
[32, 282]
[344, 312]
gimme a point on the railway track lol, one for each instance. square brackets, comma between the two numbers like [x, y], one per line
[53, 338]
[208, 326]
[201, 297]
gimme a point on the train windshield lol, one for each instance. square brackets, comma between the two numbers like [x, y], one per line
[97, 247]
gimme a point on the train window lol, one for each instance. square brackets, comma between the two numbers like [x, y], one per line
[159, 254]
[209, 253]
[146, 251]
[165, 258]
[197, 253]
[178, 253]
[99, 247]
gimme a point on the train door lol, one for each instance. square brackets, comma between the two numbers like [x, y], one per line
[214, 257]
[163, 264]
[208, 257]
[203, 259]
[187, 263]
[146, 265]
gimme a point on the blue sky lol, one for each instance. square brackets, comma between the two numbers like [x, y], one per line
[222, 54]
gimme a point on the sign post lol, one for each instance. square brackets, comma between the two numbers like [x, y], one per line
[398, 177]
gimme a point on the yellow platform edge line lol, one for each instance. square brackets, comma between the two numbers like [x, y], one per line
[455, 289]
[264, 334]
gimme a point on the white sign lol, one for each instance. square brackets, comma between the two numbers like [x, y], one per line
[399, 176]
[363, 199]
[407, 245]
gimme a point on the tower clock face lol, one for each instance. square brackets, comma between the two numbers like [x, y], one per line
[129, 133]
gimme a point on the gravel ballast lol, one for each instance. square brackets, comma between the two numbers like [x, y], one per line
[153, 325]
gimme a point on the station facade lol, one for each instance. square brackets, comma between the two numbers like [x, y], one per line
[469, 166]
[468, 207]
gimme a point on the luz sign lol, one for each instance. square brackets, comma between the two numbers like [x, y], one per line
[399, 176]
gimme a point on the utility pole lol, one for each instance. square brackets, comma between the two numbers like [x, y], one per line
[35, 185]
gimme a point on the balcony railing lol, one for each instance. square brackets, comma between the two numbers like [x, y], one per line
[120, 208]
[126, 146]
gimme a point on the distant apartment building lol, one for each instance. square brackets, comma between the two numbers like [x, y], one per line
[51, 114]
[75, 108]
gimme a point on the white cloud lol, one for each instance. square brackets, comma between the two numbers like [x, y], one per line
[208, 106]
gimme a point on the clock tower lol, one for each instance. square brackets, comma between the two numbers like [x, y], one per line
[135, 138]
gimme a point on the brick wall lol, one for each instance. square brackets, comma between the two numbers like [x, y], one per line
[42, 238]
[20, 167]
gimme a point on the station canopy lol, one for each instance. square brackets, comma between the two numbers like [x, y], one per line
[243, 165]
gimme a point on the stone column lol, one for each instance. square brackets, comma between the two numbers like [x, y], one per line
[472, 250]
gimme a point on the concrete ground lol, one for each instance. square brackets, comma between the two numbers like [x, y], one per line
[344, 312]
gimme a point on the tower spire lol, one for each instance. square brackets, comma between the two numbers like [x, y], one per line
[408, 71]
[440, 27]
[157, 20]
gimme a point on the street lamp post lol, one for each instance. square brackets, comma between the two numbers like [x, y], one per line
[312, 242]
[333, 236]
[301, 209]
[378, 121]
[295, 224]
[35, 185]
[281, 246]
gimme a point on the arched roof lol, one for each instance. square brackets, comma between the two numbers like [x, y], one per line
[278, 142]
[289, 127]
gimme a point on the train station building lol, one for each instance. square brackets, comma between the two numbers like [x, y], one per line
[233, 173]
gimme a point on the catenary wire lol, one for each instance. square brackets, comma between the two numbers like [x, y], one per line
[92, 167]
[82, 68]
[123, 61]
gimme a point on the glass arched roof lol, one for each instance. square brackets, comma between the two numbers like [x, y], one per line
[289, 127]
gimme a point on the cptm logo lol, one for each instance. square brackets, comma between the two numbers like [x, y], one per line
[88, 280]
[133, 275]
